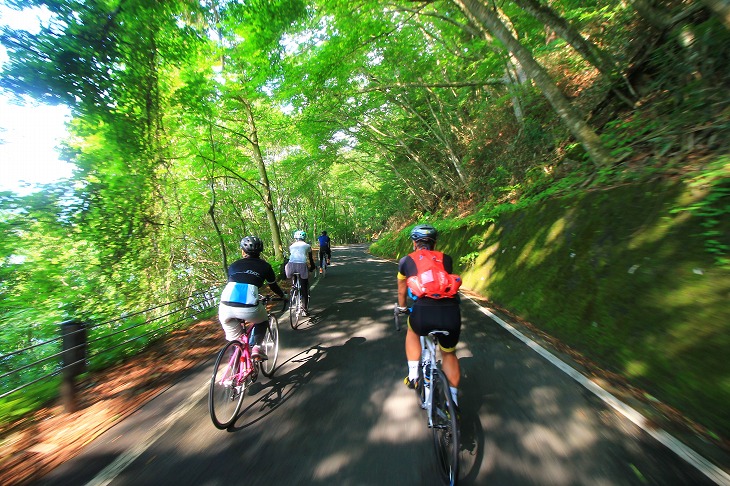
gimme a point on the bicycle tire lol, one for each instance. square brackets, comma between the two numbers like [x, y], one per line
[295, 307]
[445, 428]
[270, 345]
[226, 393]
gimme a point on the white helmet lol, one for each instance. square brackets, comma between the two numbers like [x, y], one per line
[300, 235]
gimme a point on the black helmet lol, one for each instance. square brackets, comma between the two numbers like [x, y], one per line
[324, 233]
[424, 232]
[252, 245]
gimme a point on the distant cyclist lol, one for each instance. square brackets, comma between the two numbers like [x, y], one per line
[324, 248]
[429, 314]
[239, 299]
[301, 262]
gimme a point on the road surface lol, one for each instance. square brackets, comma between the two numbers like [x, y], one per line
[337, 412]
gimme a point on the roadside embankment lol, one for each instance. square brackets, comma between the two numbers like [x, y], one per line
[626, 276]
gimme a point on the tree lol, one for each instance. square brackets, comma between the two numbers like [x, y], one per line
[489, 19]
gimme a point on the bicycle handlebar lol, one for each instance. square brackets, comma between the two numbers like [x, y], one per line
[396, 316]
[265, 299]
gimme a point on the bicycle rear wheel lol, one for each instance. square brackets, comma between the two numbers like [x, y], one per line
[270, 345]
[445, 428]
[295, 307]
[227, 386]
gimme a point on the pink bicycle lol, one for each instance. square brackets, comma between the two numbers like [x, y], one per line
[235, 369]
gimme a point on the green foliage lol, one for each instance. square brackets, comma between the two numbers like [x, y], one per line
[713, 209]
[469, 259]
[109, 343]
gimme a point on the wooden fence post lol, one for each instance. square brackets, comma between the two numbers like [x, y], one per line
[73, 333]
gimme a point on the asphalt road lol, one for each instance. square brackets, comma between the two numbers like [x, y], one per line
[337, 412]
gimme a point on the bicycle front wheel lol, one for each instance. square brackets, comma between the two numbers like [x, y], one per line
[227, 386]
[295, 306]
[270, 345]
[445, 428]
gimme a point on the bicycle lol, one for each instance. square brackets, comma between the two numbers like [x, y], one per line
[323, 263]
[295, 301]
[235, 369]
[435, 398]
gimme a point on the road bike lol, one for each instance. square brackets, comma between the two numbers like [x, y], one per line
[435, 398]
[235, 369]
[295, 301]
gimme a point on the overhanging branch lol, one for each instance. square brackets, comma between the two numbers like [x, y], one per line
[463, 84]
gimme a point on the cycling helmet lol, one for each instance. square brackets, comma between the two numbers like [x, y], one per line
[300, 235]
[424, 232]
[252, 245]
[324, 233]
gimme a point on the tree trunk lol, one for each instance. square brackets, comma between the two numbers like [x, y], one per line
[656, 17]
[721, 8]
[489, 19]
[268, 201]
[590, 52]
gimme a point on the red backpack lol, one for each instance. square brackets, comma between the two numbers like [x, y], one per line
[432, 280]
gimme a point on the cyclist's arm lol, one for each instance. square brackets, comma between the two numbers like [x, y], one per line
[402, 290]
[311, 260]
[276, 289]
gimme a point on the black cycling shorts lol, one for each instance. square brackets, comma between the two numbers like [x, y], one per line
[426, 317]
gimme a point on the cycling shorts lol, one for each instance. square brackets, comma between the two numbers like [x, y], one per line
[301, 268]
[229, 318]
[426, 317]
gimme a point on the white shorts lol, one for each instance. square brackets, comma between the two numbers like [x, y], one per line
[228, 315]
[300, 268]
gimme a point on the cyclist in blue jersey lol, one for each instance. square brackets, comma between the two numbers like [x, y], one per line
[301, 262]
[239, 300]
[325, 247]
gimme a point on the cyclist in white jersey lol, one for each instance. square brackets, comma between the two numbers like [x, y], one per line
[301, 261]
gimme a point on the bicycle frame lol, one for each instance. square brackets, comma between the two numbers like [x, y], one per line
[248, 370]
[428, 352]
[442, 416]
[295, 301]
[249, 366]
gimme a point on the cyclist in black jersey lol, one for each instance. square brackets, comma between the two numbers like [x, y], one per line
[239, 300]
[429, 314]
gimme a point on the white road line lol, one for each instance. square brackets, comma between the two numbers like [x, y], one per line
[675, 445]
[109, 473]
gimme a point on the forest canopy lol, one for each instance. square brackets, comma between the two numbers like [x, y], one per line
[196, 123]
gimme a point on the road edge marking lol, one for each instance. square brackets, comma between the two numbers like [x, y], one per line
[713, 472]
[109, 473]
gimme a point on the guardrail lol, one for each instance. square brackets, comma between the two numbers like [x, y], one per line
[83, 346]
